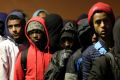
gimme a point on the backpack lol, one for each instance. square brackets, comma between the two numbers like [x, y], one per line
[24, 60]
[114, 64]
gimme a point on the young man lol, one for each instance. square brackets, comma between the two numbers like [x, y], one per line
[68, 41]
[38, 54]
[73, 70]
[10, 47]
[101, 19]
[107, 67]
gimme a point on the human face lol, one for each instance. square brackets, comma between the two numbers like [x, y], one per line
[15, 29]
[67, 43]
[102, 24]
[35, 35]
[42, 14]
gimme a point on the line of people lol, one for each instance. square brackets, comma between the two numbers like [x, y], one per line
[46, 47]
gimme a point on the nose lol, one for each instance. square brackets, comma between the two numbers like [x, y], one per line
[13, 28]
[67, 44]
[102, 24]
[34, 35]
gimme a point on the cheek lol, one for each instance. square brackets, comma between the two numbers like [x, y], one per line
[19, 30]
[39, 36]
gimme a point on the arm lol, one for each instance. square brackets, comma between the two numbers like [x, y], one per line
[98, 70]
[4, 64]
[101, 69]
[87, 62]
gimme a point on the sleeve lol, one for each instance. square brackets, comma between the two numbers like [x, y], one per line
[99, 69]
[71, 73]
[4, 64]
[53, 68]
[18, 72]
[86, 65]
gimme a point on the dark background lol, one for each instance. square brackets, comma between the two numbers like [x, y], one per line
[68, 9]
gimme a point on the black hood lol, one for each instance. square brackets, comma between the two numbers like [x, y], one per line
[116, 35]
[70, 31]
[54, 24]
[85, 33]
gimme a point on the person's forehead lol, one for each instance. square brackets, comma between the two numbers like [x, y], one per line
[14, 21]
[100, 15]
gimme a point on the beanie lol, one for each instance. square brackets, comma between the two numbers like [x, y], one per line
[100, 6]
[35, 25]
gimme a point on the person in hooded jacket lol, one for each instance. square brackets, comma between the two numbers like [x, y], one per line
[105, 68]
[38, 54]
[68, 42]
[3, 16]
[41, 13]
[54, 23]
[73, 71]
[9, 48]
[101, 19]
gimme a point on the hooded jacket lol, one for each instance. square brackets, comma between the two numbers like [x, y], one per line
[55, 70]
[84, 34]
[99, 48]
[106, 67]
[54, 24]
[8, 53]
[36, 13]
[37, 60]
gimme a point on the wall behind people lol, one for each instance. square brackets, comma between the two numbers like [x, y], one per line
[68, 9]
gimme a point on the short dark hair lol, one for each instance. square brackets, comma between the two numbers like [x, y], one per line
[12, 17]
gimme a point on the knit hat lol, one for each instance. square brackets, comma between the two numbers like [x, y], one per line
[35, 25]
[100, 6]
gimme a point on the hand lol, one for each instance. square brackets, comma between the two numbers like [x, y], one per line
[65, 54]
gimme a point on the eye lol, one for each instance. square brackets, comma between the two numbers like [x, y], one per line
[98, 22]
[10, 26]
[17, 25]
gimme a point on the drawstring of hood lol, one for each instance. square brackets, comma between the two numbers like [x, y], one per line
[42, 22]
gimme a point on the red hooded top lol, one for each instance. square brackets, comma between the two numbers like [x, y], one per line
[100, 6]
[37, 61]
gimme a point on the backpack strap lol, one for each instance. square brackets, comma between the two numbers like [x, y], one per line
[100, 48]
[24, 60]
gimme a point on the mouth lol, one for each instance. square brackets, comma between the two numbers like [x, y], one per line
[103, 32]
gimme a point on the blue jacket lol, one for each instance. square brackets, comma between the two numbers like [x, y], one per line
[90, 54]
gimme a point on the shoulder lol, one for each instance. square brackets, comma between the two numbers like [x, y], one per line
[101, 60]
[75, 55]
[90, 50]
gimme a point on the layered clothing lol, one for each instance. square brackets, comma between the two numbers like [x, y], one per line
[37, 60]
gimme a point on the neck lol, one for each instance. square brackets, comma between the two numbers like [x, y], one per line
[108, 42]
[21, 40]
